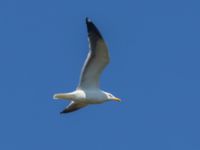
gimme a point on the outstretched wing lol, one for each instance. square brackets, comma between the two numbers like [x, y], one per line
[97, 59]
[73, 106]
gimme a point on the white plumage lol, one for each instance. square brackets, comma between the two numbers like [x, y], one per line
[88, 91]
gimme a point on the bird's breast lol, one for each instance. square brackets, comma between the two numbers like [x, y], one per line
[94, 97]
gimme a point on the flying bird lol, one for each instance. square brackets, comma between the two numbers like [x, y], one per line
[88, 91]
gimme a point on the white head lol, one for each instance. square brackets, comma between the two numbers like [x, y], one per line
[112, 97]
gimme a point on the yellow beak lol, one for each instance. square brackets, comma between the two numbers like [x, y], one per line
[116, 99]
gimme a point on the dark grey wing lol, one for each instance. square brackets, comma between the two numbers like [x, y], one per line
[73, 106]
[97, 59]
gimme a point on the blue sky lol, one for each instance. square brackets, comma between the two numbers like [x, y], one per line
[154, 69]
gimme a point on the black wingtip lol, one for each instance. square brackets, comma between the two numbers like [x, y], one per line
[66, 111]
[87, 20]
[92, 28]
[63, 112]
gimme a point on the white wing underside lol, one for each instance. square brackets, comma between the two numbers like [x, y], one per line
[97, 59]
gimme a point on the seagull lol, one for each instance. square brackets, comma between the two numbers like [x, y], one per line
[88, 91]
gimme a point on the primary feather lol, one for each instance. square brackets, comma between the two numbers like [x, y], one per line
[88, 91]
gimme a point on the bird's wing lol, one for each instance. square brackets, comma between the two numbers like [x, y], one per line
[73, 106]
[97, 59]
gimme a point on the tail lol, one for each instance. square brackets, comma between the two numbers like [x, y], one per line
[65, 96]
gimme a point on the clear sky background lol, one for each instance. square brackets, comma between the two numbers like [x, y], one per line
[155, 70]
